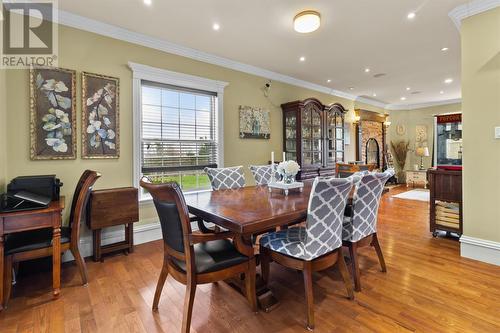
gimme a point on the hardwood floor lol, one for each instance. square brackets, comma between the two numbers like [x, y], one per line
[428, 287]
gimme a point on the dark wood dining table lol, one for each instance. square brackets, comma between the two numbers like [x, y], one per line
[249, 211]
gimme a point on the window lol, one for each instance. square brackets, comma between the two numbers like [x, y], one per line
[177, 127]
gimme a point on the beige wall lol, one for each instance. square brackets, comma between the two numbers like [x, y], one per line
[3, 130]
[481, 113]
[83, 51]
[410, 119]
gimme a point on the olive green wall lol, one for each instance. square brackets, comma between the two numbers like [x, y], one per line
[84, 51]
[481, 113]
[410, 119]
[3, 130]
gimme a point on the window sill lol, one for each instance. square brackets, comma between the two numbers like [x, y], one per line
[147, 199]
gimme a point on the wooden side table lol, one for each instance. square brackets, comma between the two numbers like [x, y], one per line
[110, 207]
[416, 177]
[50, 217]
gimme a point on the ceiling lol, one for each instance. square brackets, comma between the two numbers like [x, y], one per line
[354, 35]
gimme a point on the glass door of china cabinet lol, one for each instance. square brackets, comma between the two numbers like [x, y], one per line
[334, 137]
[291, 135]
[312, 150]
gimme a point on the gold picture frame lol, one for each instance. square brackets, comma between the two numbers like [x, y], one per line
[52, 113]
[100, 116]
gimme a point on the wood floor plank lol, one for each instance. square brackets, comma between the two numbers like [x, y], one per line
[428, 288]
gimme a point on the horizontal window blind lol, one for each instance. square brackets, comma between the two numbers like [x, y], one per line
[179, 134]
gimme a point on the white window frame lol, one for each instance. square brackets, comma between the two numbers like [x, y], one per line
[147, 73]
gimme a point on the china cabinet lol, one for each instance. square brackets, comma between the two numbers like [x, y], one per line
[313, 135]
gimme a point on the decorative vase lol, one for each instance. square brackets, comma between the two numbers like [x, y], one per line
[288, 179]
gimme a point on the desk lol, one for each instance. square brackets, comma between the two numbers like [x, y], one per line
[49, 217]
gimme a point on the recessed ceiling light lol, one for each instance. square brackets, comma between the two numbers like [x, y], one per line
[403, 98]
[216, 26]
[374, 95]
[441, 92]
[307, 21]
[408, 88]
[302, 58]
[448, 81]
[444, 49]
[367, 70]
[328, 80]
[411, 15]
[148, 2]
[351, 88]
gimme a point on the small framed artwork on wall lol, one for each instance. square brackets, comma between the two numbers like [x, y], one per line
[100, 116]
[52, 114]
[255, 123]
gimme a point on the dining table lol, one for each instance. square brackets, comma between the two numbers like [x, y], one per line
[247, 212]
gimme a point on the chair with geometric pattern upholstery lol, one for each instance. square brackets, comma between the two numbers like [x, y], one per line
[226, 178]
[360, 226]
[263, 174]
[316, 246]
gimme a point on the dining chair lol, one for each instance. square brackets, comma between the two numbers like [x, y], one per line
[195, 258]
[28, 245]
[315, 246]
[359, 228]
[226, 178]
[263, 174]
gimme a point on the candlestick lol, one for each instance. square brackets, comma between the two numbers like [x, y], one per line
[272, 167]
[284, 158]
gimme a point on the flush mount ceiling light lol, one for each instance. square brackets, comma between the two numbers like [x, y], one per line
[408, 88]
[441, 92]
[216, 26]
[367, 70]
[374, 95]
[403, 98]
[307, 21]
[302, 58]
[411, 16]
[147, 2]
[448, 81]
[351, 88]
[444, 49]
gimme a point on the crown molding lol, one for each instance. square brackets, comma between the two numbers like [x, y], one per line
[87, 24]
[399, 107]
[471, 8]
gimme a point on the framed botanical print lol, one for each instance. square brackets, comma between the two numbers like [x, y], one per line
[100, 116]
[254, 123]
[52, 114]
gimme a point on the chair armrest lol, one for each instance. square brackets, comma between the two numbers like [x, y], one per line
[197, 237]
[201, 225]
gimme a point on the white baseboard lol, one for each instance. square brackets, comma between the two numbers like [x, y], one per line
[143, 233]
[480, 249]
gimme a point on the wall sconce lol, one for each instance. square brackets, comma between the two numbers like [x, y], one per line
[387, 122]
[357, 118]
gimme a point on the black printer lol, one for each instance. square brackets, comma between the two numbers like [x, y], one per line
[30, 192]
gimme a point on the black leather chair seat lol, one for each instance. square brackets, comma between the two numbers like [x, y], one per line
[33, 240]
[214, 255]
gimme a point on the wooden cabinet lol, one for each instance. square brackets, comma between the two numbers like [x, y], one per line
[313, 135]
[445, 200]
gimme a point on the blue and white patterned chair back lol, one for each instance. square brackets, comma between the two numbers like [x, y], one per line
[365, 207]
[226, 178]
[324, 216]
[263, 173]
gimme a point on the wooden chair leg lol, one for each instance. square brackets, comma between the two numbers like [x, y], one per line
[353, 253]
[250, 285]
[264, 264]
[378, 249]
[160, 284]
[345, 275]
[81, 264]
[7, 282]
[188, 305]
[308, 285]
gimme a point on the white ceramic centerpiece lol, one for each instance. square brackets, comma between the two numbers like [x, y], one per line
[288, 171]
